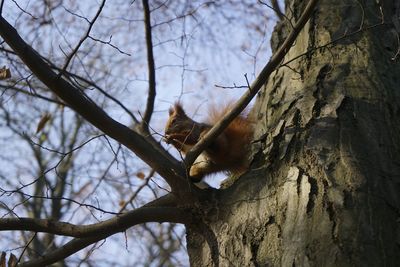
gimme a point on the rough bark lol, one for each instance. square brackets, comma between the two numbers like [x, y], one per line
[324, 186]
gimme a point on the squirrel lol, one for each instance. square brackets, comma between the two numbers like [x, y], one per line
[227, 153]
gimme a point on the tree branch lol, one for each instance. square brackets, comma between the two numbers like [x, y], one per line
[91, 23]
[144, 147]
[33, 94]
[151, 68]
[156, 211]
[160, 210]
[63, 252]
[275, 7]
[261, 79]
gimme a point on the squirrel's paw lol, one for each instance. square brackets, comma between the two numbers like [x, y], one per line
[195, 174]
[199, 168]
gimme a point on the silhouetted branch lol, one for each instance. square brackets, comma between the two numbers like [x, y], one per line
[69, 58]
[159, 210]
[275, 7]
[151, 68]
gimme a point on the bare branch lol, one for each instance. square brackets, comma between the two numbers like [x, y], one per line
[133, 196]
[151, 68]
[159, 210]
[23, 10]
[275, 7]
[69, 58]
[262, 78]
[34, 94]
[26, 246]
[109, 43]
[63, 252]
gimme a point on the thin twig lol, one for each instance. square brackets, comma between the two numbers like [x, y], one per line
[109, 43]
[147, 179]
[26, 247]
[275, 7]
[34, 94]
[69, 58]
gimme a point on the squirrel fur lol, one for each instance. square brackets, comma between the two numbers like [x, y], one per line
[228, 152]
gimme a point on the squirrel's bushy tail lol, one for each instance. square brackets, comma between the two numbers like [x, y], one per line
[238, 134]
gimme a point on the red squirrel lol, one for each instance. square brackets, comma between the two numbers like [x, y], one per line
[228, 152]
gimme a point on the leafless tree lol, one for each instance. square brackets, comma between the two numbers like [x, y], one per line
[86, 173]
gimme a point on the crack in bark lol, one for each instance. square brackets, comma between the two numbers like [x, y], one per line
[275, 143]
[347, 199]
[212, 243]
[320, 99]
[254, 250]
[330, 210]
[312, 195]
[277, 81]
[256, 242]
[298, 182]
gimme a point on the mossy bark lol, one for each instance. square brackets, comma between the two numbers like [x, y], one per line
[324, 186]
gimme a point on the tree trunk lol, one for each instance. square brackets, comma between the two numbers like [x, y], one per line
[324, 186]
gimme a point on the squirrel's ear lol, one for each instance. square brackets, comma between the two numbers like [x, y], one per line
[171, 111]
[178, 109]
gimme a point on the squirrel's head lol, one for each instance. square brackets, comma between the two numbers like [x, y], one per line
[179, 126]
